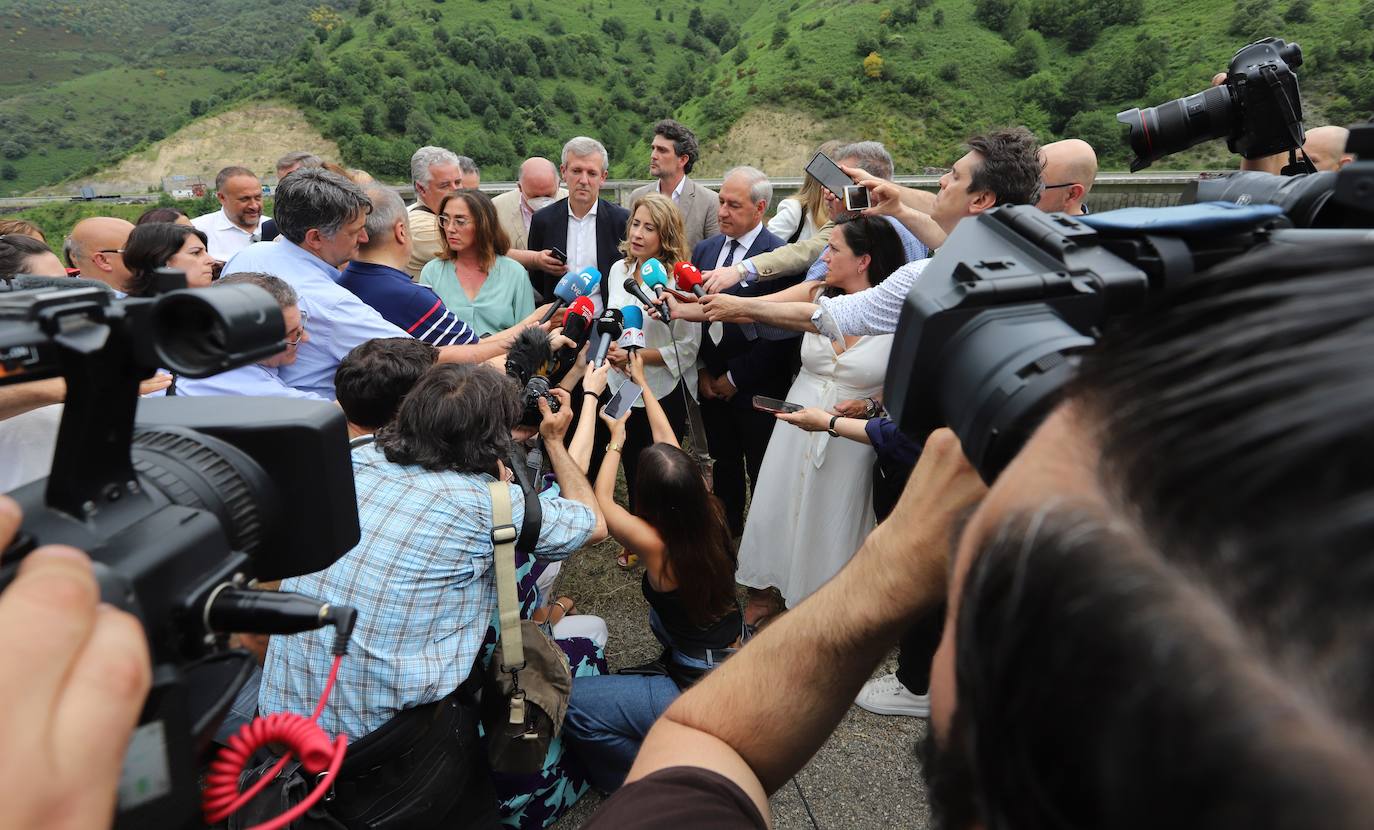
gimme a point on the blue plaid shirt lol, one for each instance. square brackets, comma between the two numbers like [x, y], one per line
[423, 583]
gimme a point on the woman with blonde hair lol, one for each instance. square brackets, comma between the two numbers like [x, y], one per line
[655, 232]
[799, 216]
[472, 274]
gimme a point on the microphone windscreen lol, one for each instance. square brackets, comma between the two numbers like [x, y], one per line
[687, 274]
[633, 317]
[652, 273]
[529, 355]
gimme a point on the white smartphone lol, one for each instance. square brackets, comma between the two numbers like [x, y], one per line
[623, 399]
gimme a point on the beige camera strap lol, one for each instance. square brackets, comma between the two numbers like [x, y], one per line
[503, 536]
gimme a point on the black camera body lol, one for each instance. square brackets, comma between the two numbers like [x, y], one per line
[992, 330]
[178, 501]
[1257, 110]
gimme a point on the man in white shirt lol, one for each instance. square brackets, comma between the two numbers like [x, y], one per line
[238, 222]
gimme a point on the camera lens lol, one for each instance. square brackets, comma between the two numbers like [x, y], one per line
[199, 332]
[1178, 124]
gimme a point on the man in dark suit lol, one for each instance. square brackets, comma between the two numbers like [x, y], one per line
[584, 226]
[739, 361]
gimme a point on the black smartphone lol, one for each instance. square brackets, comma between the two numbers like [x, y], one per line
[624, 398]
[774, 405]
[558, 254]
[829, 174]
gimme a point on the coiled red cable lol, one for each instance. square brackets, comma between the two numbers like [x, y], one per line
[303, 738]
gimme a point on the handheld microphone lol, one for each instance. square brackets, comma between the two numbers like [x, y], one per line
[577, 327]
[572, 286]
[608, 328]
[632, 286]
[633, 336]
[689, 278]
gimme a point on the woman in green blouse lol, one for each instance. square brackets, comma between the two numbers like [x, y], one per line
[472, 274]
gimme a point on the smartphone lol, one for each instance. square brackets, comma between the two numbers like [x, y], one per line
[774, 405]
[829, 174]
[856, 197]
[558, 254]
[623, 399]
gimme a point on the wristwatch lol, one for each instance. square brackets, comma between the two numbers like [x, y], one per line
[614, 447]
[831, 429]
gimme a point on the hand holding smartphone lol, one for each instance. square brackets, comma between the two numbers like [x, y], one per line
[764, 404]
[832, 178]
[624, 398]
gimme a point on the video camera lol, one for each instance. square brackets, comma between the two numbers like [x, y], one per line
[180, 502]
[992, 330]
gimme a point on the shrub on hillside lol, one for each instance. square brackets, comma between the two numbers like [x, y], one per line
[873, 65]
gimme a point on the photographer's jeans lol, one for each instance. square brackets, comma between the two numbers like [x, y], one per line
[608, 718]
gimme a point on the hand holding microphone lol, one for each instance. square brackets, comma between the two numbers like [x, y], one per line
[688, 278]
[577, 327]
[653, 275]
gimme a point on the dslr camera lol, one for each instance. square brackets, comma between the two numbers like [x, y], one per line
[1257, 110]
[180, 502]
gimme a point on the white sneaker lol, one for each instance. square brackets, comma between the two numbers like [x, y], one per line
[887, 696]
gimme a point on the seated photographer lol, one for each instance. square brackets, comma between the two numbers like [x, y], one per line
[679, 532]
[1173, 562]
[421, 578]
[259, 379]
[321, 216]
[376, 376]
[1000, 168]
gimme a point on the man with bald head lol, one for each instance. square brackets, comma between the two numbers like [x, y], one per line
[1325, 146]
[536, 188]
[1070, 169]
[96, 247]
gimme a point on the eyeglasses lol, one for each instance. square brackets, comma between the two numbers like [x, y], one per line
[110, 251]
[294, 338]
[455, 221]
[1053, 186]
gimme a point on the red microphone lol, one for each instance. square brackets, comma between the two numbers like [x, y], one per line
[577, 323]
[688, 278]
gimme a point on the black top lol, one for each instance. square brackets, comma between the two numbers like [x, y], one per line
[679, 797]
[686, 634]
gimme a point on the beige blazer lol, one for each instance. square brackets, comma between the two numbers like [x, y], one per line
[508, 214]
[793, 259]
[698, 205]
[425, 239]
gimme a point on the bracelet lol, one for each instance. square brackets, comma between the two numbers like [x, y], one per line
[831, 429]
[586, 392]
[560, 604]
[613, 447]
[872, 408]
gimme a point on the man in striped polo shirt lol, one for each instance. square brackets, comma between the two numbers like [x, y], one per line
[378, 276]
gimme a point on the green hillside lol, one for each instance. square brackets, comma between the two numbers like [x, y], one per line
[500, 80]
[88, 81]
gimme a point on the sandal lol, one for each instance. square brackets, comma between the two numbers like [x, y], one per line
[626, 560]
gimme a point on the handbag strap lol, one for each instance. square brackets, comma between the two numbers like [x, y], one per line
[503, 535]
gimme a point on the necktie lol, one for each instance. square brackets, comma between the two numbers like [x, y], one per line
[715, 331]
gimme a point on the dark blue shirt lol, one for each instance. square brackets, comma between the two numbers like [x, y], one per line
[414, 308]
[891, 444]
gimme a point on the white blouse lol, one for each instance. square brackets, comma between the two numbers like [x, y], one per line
[657, 335]
[784, 224]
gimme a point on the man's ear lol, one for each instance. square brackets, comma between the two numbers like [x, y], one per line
[982, 200]
[401, 230]
[313, 239]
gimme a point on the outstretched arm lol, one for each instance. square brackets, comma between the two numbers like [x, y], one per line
[658, 419]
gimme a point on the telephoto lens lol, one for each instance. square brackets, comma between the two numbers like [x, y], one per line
[1178, 124]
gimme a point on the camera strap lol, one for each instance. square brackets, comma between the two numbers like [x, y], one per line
[534, 512]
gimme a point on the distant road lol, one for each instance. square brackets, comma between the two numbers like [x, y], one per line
[17, 202]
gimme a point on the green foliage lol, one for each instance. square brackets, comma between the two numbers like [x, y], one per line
[1253, 19]
[1030, 53]
[873, 65]
[1299, 11]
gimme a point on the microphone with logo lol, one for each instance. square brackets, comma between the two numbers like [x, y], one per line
[608, 329]
[577, 327]
[573, 285]
[633, 336]
[688, 278]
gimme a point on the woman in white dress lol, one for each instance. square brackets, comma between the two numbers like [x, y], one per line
[813, 504]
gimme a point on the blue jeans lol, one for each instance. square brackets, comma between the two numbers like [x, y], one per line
[608, 718]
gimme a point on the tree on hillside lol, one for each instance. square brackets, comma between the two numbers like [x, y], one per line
[1299, 11]
[873, 65]
[1029, 54]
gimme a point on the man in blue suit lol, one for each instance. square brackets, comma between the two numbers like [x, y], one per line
[739, 361]
[584, 226]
